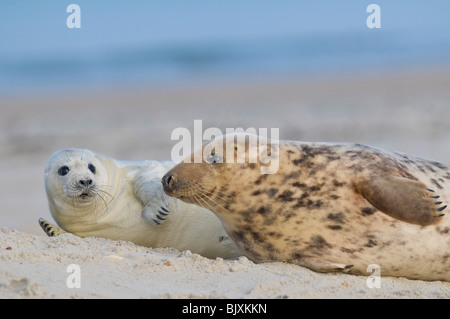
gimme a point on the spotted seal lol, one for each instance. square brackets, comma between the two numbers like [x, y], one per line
[330, 206]
[90, 194]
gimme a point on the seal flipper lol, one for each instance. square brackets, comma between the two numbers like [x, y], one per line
[50, 229]
[401, 198]
[155, 214]
[155, 201]
[320, 265]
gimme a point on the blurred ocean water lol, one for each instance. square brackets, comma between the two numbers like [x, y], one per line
[128, 43]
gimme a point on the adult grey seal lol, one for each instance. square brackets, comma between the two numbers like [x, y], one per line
[94, 195]
[328, 207]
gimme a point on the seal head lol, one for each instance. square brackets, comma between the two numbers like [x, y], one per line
[80, 177]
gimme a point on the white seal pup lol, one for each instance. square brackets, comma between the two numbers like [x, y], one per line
[328, 206]
[94, 195]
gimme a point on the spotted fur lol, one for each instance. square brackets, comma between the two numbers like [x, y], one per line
[333, 206]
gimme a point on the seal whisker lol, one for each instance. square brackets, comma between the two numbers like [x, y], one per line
[101, 192]
[218, 195]
[196, 198]
[209, 206]
[104, 186]
[216, 203]
[222, 197]
[73, 202]
[102, 199]
[104, 192]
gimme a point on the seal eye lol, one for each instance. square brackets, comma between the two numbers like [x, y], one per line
[91, 168]
[63, 170]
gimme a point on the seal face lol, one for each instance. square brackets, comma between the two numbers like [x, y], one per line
[81, 180]
[329, 207]
[93, 195]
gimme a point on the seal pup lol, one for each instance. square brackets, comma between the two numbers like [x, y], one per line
[90, 194]
[328, 206]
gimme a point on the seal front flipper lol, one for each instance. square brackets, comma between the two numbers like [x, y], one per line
[320, 265]
[404, 199]
[155, 214]
[50, 229]
[155, 201]
[156, 207]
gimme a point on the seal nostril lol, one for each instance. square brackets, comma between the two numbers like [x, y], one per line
[86, 182]
[167, 180]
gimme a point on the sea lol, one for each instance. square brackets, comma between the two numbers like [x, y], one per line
[47, 46]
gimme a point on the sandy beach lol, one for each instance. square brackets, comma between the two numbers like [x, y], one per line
[37, 267]
[406, 111]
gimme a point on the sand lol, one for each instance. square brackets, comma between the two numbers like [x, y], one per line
[36, 267]
[405, 111]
